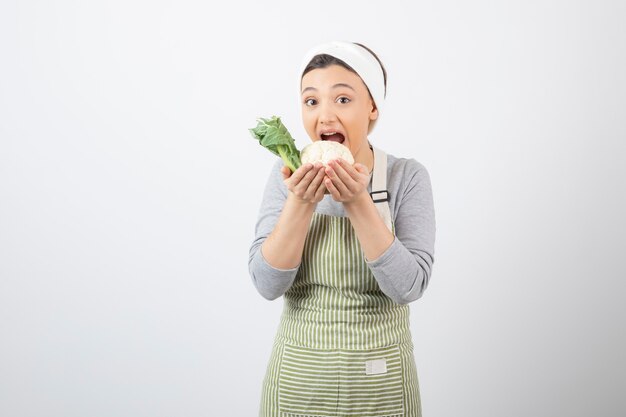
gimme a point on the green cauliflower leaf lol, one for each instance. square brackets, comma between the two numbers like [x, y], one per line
[273, 135]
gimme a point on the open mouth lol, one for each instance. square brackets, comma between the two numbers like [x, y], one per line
[333, 136]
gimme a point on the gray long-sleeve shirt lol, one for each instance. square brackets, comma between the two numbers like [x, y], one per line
[402, 271]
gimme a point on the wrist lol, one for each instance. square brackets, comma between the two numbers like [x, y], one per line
[361, 200]
[299, 203]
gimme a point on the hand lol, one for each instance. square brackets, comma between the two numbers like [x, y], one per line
[306, 182]
[346, 182]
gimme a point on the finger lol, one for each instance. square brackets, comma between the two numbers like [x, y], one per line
[332, 189]
[319, 177]
[301, 172]
[358, 176]
[355, 171]
[285, 171]
[344, 170]
[305, 182]
[337, 182]
[361, 169]
[321, 188]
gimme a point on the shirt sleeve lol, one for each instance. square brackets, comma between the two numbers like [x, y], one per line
[403, 270]
[270, 282]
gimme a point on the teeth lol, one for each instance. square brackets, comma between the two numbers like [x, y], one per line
[328, 134]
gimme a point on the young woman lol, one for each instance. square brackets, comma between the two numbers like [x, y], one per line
[348, 247]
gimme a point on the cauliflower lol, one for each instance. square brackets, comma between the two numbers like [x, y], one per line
[325, 151]
[273, 135]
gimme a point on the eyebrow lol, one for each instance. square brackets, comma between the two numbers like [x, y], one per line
[334, 86]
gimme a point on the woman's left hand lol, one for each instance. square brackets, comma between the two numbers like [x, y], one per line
[345, 182]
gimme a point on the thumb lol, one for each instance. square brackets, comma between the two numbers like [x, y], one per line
[361, 168]
[285, 171]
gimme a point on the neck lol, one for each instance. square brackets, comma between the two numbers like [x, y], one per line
[365, 156]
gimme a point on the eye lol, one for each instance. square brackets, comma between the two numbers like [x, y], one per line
[310, 102]
[343, 100]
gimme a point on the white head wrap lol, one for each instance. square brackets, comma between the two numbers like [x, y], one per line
[358, 58]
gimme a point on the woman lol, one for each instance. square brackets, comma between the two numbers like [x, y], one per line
[348, 246]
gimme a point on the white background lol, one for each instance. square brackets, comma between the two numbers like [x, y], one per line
[130, 186]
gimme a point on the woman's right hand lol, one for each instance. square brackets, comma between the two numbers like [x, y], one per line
[306, 183]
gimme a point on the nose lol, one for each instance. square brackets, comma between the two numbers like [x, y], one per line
[326, 114]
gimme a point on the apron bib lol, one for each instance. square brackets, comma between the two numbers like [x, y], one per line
[343, 348]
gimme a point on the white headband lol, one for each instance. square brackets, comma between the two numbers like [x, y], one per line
[360, 60]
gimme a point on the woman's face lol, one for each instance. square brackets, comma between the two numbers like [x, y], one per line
[335, 100]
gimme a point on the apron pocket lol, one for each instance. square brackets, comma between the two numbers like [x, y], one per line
[358, 383]
[308, 382]
[371, 383]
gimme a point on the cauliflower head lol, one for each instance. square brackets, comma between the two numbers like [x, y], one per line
[325, 151]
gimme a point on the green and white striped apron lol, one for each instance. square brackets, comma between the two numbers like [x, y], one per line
[343, 348]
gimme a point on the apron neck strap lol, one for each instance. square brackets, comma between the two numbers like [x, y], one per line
[379, 193]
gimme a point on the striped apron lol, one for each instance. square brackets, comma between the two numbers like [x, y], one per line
[343, 348]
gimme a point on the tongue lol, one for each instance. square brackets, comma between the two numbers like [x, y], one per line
[337, 137]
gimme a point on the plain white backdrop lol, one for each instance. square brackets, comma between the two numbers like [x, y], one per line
[130, 186]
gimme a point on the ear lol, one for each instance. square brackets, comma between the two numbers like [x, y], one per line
[374, 112]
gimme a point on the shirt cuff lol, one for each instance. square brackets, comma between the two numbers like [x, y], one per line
[272, 270]
[386, 256]
[271, 282]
